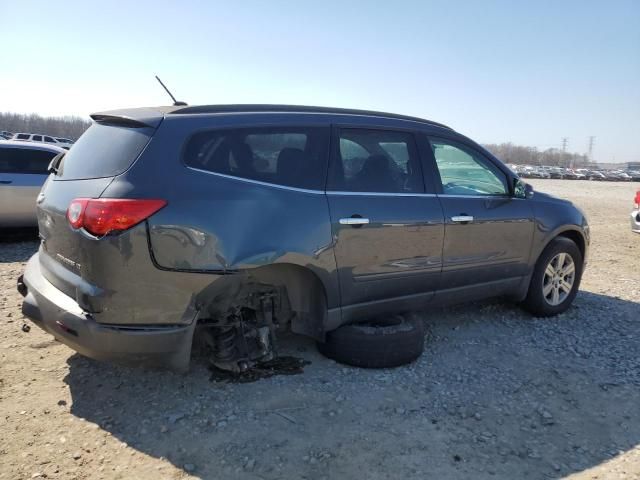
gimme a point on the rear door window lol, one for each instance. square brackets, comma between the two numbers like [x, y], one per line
[289, 156]
[103, 151]
[37, 138]
[377, 161]
[25, 160]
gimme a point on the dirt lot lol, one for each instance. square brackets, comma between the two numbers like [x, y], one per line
[497, 394]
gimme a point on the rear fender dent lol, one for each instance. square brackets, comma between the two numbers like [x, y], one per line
[306, 296]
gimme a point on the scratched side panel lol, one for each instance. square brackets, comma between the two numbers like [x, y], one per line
[223, 224]
[398, 253]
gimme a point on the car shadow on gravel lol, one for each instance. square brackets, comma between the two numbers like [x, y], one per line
[17, 245]
[18, 234]
[497, 394]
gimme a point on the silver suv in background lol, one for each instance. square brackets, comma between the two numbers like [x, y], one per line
[23, 170]
[48, 139]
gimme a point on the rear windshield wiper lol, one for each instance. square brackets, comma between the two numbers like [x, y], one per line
[55, 163]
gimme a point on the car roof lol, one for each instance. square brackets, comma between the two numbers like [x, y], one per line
[31, 145]
[151, 116]
[261, 108]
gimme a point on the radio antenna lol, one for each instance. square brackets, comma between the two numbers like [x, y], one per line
[175, 102]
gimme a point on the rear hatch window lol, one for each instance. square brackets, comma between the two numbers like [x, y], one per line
[104, 150]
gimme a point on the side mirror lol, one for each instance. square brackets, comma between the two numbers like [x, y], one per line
[521, 189]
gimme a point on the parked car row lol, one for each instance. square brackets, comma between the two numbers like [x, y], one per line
[61, 142]
[535, 171]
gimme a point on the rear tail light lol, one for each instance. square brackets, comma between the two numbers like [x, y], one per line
[637, 200]
[100, 216]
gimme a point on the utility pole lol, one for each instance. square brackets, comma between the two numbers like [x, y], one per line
[591, 139]
[564, 149]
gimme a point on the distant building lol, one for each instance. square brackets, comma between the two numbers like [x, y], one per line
[612, 166]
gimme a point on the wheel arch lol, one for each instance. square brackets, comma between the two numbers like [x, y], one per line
[577, 238]
[306, 294]
[533, 301]
[572, 233]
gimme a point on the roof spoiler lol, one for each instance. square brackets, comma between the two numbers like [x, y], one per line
[132, 117]
[118, 121]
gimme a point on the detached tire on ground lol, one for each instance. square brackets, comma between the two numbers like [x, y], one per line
[386, 343]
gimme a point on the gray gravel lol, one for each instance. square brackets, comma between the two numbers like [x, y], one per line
[497, 394]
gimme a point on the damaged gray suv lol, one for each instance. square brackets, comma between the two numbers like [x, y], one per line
[242, 221]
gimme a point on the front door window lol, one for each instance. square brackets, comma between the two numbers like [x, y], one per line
[466, 172]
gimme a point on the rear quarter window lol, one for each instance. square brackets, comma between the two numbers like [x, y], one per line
[104, 151]
[293, 157]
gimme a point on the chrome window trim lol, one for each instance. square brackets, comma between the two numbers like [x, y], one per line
[314, 192]
[380, 194]
[504, 197]
[257, 182]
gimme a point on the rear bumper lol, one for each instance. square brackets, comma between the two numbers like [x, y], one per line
[635, 221]
[59, 315]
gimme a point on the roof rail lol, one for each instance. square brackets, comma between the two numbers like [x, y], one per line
[251, 108]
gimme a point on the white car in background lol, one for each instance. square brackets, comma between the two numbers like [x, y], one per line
[24, 167]
[635, 214]
[40, 137]
[64, 142]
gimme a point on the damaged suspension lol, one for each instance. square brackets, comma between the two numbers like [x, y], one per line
[246, 334]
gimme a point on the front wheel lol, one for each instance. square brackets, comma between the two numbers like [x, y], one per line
[556, 279]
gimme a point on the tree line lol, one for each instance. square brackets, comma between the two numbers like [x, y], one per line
[69, 126]
[510, 153]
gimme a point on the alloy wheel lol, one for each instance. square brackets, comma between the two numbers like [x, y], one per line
[558, 279]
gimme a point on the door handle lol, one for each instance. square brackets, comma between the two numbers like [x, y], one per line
[5, 182]
[354, 221]
[462, 218]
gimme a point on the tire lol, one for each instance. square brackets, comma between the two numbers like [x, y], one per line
[386, 343]
[540, 300]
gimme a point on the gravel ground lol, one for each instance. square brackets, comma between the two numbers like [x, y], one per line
[497, 394]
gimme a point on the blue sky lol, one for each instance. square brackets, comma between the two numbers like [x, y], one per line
[526, 72]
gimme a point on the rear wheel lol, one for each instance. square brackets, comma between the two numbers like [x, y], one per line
[380, 343]
[556, 278]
